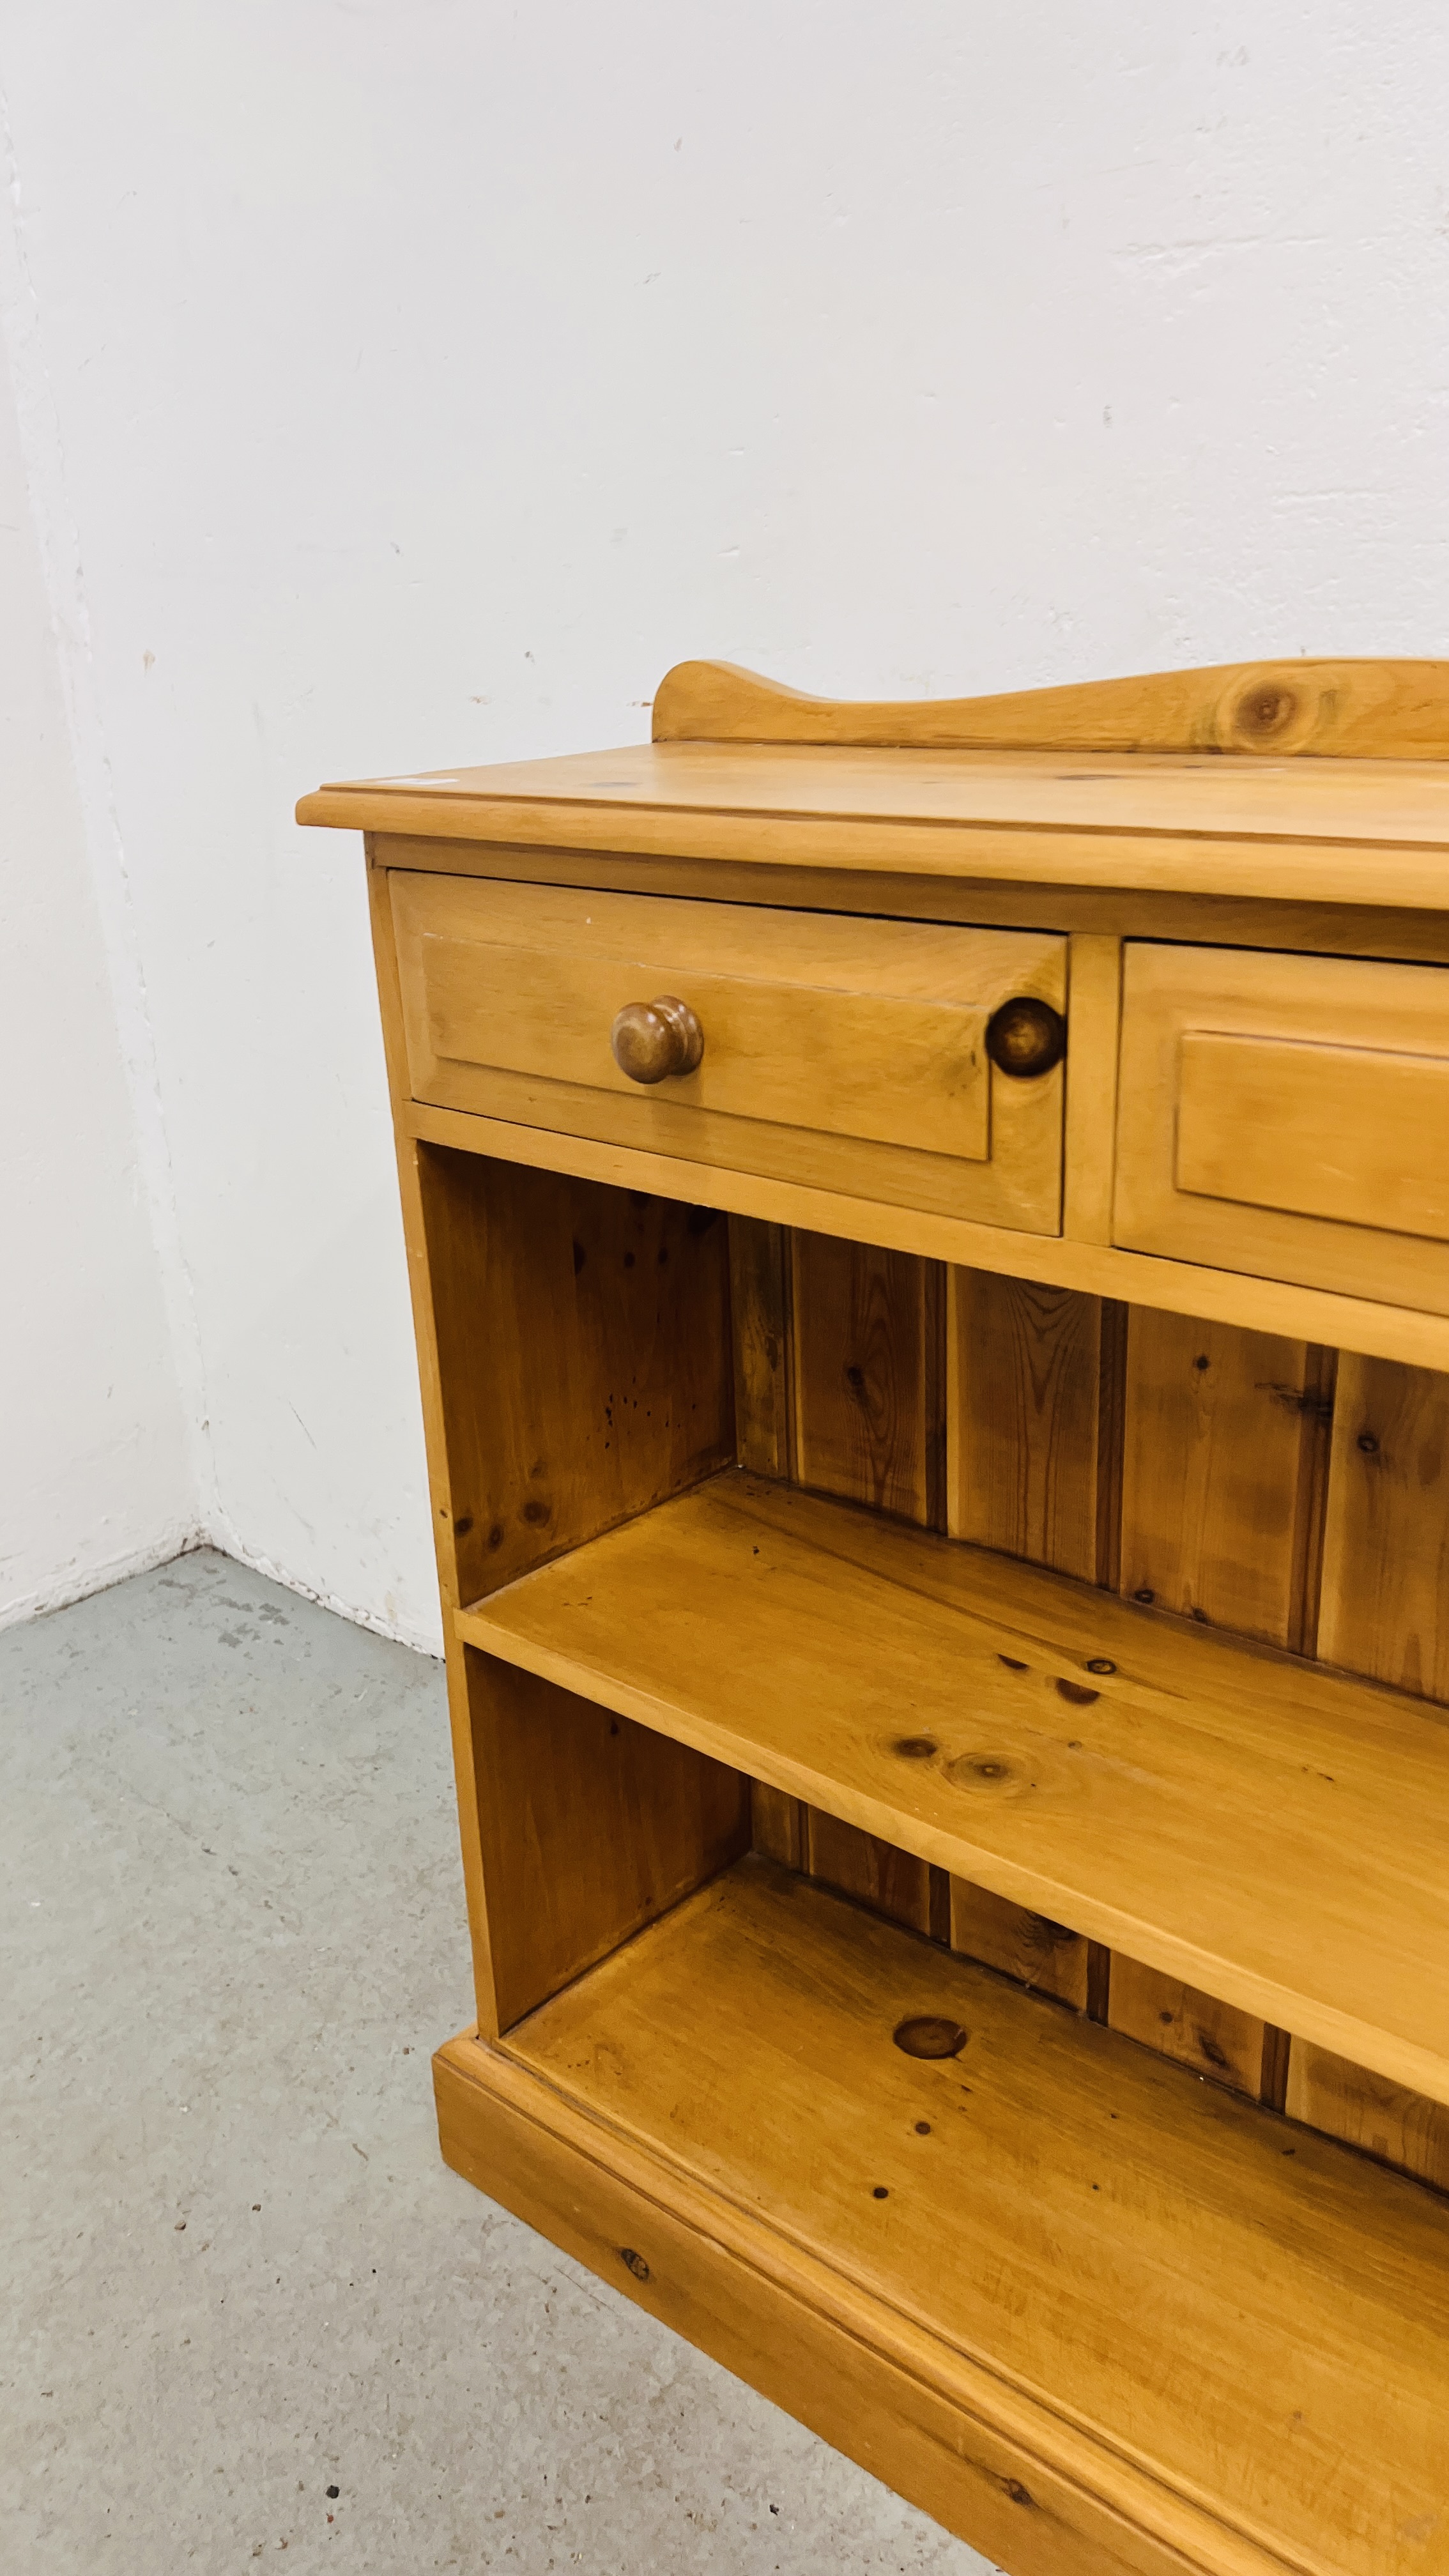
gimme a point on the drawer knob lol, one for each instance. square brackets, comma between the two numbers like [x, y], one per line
[1026, 1037]
[653, 1039]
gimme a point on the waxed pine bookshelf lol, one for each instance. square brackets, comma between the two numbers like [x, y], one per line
[929, 1235]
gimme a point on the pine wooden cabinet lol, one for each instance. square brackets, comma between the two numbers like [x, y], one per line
[929, 1230]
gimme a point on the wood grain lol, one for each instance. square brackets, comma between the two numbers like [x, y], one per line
[1385, 1607]
[1138, 2252]
[1258, 1829]
[762, 1335]
[1214, 2039]
[867, 1365]
[1226, 2337]
[1094, 1023]
[938, 2426]
[1386, 859]
[583, 1372]
[1383, 1612]
[508, 1309]
[899, 810]
[1384, 710]
[1330, 1132]
[1026, 1441]
[760, 1328]
[1031, 1469]
[1274, 1116]
[1176, 1287]
[1045, 1956]
[1224, 1453]
[1386, 2120]
[591, 1826]
[1322, 830]
[584, 1356]
[832, 1047]
[778, 1826]
[1115, 912]
[411, 1160]
[868, 1392]
[1223, 1429]
[868, 1867]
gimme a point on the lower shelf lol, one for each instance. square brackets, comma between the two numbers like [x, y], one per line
[1090, 2317]
[1270, 1832]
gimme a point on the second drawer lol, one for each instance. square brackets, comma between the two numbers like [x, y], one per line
[1287, 1116]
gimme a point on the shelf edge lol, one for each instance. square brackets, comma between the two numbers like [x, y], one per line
[1087, 2512]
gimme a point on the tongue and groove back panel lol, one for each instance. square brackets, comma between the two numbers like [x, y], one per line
[1257, 1484]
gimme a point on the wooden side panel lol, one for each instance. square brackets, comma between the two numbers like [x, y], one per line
[868, 1424]
[410, 1161]
[584, 1373]
[591, 1827]
[584, 1356]
[1386, 2120]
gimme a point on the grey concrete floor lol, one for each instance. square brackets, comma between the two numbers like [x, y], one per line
[237, 2275]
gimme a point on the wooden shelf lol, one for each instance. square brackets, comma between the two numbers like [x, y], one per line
[1204, 2338]
[1267, 1831]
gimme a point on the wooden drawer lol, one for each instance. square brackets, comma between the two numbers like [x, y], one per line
[841, 1052]
[1287, 1116]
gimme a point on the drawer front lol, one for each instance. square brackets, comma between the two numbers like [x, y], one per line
[1288, 1116]
[842, 1052]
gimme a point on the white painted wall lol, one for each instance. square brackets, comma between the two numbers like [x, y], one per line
[426, 378]
[95, 1475]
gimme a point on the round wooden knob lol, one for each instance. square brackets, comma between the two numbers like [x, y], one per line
[1026, 1037]
[653, 1039]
